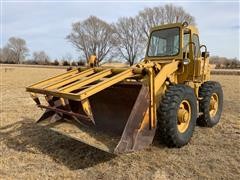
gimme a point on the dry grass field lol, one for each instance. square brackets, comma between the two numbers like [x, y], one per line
[32, 152]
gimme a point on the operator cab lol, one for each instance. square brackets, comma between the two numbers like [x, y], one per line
[174, 41]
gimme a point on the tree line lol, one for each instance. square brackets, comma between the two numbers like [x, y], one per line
[16, 52]
[225, 63]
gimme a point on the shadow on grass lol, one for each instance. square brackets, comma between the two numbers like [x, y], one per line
[26, 136]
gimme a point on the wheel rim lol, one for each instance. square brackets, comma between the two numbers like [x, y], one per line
[213, 106]
[183, 116]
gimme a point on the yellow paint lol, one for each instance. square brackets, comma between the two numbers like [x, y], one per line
[92, 61]
[213, 106]
[184, 116]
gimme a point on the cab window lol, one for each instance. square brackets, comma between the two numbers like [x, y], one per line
[164, 42]
[186, 40]
[197, 44]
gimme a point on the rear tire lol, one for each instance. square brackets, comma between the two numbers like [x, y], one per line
[177, 115]
[211, 103]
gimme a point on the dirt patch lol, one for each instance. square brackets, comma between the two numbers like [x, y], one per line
[32, 152]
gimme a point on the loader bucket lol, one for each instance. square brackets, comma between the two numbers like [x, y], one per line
[119, 120]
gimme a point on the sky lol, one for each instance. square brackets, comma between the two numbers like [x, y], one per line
[45, 24]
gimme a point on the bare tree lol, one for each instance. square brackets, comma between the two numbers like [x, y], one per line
[6, 55]
[150, 17]
[41, 57]
[129, 39]
[176, 14]
[18, 48]
[92, 36]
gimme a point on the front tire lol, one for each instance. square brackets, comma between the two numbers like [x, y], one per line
[177, 115]
[210, 104]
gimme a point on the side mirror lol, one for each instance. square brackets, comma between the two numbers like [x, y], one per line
[186, 61]
[205, 54]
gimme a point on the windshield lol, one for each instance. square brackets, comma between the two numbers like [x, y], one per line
[164, 42]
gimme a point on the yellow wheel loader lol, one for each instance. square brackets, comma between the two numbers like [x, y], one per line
[120, 110]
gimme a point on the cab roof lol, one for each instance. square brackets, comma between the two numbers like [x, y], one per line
[166, 26]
